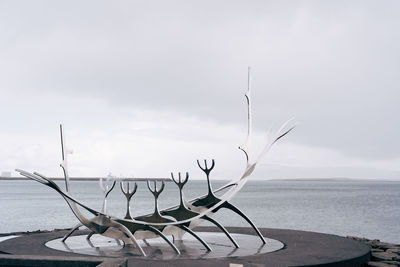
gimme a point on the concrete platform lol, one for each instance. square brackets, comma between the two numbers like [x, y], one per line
[158, 249]
[300, 249]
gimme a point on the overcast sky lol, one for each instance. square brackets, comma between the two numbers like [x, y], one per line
[147, 87]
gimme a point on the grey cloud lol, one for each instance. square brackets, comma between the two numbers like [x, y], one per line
[335, 65]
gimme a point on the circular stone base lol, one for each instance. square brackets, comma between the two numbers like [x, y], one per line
[300, 249]
[157, 248]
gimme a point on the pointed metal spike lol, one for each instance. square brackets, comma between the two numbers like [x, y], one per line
[162, 187]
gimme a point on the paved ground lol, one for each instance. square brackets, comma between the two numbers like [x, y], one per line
[301, 249]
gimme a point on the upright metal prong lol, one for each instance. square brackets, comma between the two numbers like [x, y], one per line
[128, 194]
[156, 192]
[207, 171]
[106, 191]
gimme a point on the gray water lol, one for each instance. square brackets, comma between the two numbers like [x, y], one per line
[361, 208]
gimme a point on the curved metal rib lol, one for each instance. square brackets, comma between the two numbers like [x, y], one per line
[90, 235]
[71, 232]
[220, 226]
[128, 233]
[158, 232]
[227, 205]
[195, 236]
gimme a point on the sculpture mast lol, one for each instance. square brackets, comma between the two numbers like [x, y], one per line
[246, 146]
[64, 155]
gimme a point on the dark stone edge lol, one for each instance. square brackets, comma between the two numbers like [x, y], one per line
[67, 261]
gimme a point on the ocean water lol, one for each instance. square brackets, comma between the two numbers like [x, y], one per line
[360, 208]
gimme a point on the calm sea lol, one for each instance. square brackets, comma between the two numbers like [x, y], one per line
[361, 208]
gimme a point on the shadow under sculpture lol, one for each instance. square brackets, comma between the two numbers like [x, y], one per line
[177, 220]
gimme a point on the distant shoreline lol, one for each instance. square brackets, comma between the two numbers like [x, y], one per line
[20, 178]
[335, 179]
[140, 179]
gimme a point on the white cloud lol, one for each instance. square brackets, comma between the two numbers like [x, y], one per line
[161, 76]
[148, 143]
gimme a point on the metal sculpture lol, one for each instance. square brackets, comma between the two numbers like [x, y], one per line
[177, 220]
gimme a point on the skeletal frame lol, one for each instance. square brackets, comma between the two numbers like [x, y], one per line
[176, 220]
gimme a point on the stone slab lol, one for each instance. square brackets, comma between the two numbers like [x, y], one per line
[301, 249]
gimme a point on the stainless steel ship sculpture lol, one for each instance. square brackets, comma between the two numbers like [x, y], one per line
[177, 220]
